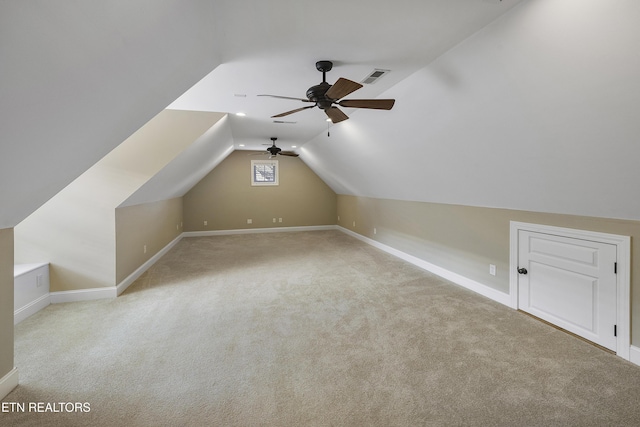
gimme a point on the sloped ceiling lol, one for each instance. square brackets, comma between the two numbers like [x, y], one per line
[526, 106]
[77, 78]
[271, 47]
[75, 229]
[538, 111]
[517, 104]
[188, 168]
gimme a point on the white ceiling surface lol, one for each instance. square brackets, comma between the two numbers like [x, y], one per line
[271, 47]
[188, 168]
[529, 107]
[538, 111]
[78, 78]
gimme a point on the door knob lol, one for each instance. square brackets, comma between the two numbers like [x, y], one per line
[522, 270]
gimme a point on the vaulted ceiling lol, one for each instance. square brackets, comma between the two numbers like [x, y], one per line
[271, 47]
[505, 103]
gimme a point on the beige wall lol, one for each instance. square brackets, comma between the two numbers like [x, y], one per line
[153, 225]
[466, 239]
[6, 301]
[75, 230]
[225, 198]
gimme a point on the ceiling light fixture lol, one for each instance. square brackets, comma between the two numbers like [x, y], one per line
[241, 114]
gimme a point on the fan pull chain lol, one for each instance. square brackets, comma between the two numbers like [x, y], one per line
[328, 134]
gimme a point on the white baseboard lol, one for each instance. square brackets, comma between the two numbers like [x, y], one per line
[257, 230]
[634, 354]
[144, 267]
[465, 282]
[30, 309]
[114, 291]
[110, 291]
[122, 286]
[83, 295]
[8, 383]
[456, 278]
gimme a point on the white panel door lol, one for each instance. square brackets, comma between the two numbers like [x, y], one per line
[569, 282]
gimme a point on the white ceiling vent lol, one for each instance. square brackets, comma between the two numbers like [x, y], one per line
[284, 122]
[374, 76]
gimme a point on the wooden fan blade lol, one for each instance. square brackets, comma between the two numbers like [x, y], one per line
[292, 111]
[342, 88]
[376, 104]
[289, 153]
[335, 114]
[287, 97]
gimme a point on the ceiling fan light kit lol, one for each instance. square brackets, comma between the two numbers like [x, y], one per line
[328, 97]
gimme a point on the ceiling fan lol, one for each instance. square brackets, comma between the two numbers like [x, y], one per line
[327, 97]
[273, 150]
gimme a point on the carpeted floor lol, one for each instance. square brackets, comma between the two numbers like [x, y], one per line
[308, 329]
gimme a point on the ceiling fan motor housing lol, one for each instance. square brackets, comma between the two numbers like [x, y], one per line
[317, 94]
[273, 150]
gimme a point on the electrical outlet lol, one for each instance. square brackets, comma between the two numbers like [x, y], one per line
[279, 219]
[354, 223]
[338, 217]
[249, 221]
[492, 269]
[274, 220]
[375, 231]
[206, 222]
[144, 249]
[39, 280]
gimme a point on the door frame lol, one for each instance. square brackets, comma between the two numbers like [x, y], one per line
[623, 276]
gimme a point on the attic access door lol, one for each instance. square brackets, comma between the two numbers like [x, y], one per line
[570, 278]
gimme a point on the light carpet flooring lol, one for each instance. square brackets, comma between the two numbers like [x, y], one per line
[309, 329]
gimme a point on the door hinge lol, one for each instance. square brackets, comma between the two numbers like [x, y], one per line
[615, 268]
[615, 330]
